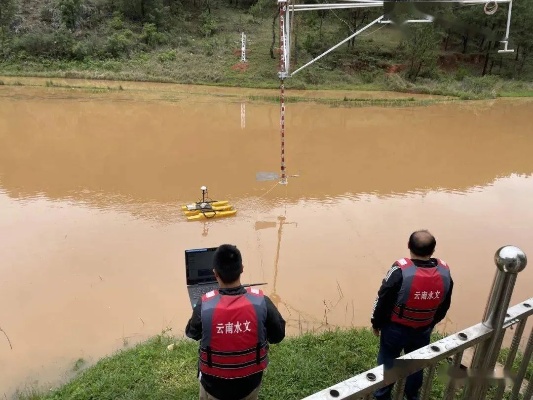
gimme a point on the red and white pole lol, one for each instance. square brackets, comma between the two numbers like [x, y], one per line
[282, 75]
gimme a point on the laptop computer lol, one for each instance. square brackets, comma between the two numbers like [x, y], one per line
[199, 272]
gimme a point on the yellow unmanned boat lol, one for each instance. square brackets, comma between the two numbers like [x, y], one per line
[207, 208]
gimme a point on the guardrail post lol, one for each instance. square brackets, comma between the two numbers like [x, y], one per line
[522, 372]
[510, 260]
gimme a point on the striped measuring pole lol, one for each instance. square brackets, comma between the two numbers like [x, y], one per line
[282, 74]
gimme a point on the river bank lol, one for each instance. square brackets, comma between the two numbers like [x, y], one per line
[164, 368]
[393, 91]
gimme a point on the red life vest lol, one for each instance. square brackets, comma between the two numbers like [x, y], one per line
[234, 340]
[423, 290]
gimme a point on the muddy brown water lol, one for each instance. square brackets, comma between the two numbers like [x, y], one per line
[92, 237]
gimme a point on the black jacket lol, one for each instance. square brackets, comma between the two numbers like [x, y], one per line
[231, 389]
[388, 294]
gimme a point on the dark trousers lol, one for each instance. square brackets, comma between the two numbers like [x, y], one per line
[393, 339]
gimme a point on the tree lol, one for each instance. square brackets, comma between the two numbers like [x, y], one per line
[70, 12]
[8, 9]
[421, 48]
[143, 10]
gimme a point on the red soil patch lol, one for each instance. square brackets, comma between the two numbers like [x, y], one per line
[241, 67]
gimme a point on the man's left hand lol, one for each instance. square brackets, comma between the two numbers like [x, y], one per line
[376, 331]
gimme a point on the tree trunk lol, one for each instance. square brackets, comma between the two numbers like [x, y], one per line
[363, 19]
[411, 69]
[418, 70]
[482, 43]
[524, 58]
[447, 41]
[355, 26]
[483, 37]
[465, 43]
[487, 57]
[355, 17]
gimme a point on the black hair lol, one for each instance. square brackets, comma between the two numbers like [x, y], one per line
[422, 243]
[227, 262]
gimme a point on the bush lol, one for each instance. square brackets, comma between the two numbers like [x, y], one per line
[117, 22]
[461, 73]
[208, 25]
[57, 44]
[120, 43]
[167, 56]
[486, 85]
[151, 36]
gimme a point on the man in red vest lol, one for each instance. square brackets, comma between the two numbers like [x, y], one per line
[235, 326]
[413, 298]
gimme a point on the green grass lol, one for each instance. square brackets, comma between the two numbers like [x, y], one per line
[299, 366]
[527, 93]
[354, 102]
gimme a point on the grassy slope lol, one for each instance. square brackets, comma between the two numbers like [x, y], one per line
[299, 366]
[194, 59]
[197, 60]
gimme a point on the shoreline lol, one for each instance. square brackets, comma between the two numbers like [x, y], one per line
[261, 91]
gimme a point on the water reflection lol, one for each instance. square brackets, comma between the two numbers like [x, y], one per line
[120, 154]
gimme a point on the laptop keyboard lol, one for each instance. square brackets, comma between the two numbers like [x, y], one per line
[198, 291]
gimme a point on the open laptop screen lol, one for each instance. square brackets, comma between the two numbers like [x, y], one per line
[199, 265]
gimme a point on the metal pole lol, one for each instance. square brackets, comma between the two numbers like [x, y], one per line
[511, 356]
[529, 390]
[282, 76]
[400, 389]
[449, 394]
[283, 180]
[490, 309]
[509, 20]
[510, 260]
[523, 369]
[428, 383]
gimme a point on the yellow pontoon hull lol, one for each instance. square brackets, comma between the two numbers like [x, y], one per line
[212, 204]
[211, 214]
[221, 208]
